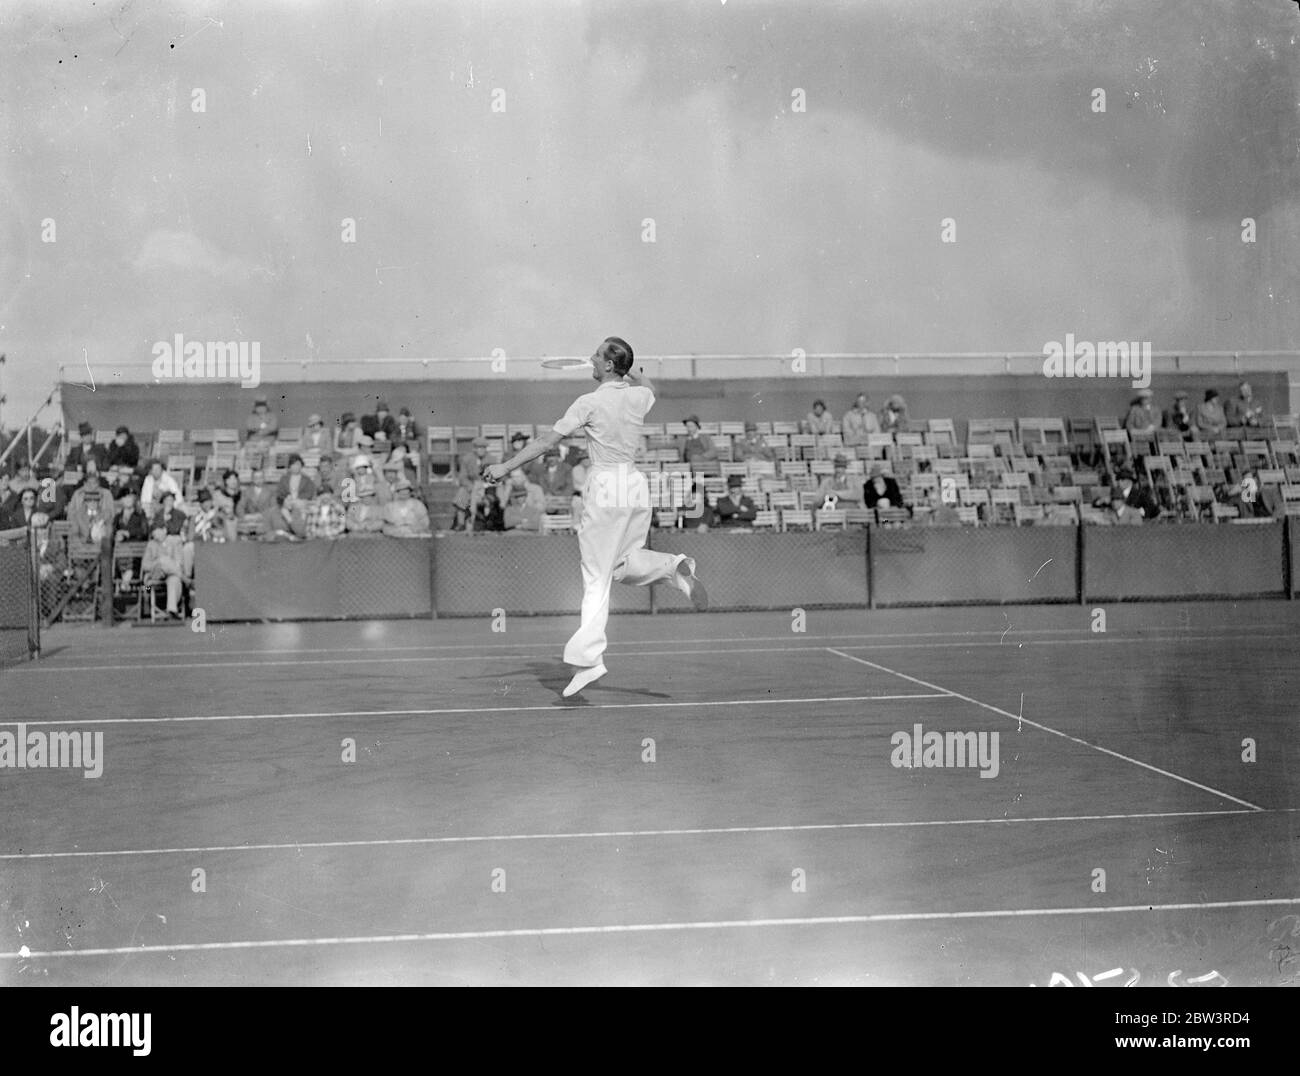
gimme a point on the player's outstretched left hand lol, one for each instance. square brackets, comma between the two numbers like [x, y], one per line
[494, 472]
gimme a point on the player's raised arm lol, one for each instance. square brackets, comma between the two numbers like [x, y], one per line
[641, 380]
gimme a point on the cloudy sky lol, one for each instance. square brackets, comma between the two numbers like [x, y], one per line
[522, 229]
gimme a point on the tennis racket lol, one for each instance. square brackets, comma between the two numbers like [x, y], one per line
[565, 363]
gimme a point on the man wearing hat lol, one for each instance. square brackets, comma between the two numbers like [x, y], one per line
[262, 426]
[1210, 419]
[1178, 417]
[469, 491]
[86, 449]
[553, 473]
[735, 509]
[1126, 491]
[696, 447]
[881, 490]
[752, 446]
[407, 433]
[123, 452]
[315, 438]
[1141, 417]
[839, 485]
[381, 426]
[364, 515]
[404, 516]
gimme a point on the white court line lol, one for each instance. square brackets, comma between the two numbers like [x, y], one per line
[614, 833]
[488, 653]
[646, 928]
[1055, 732]
[549, 709]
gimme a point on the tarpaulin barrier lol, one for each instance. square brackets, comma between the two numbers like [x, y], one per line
[1183, 560]
[973, 565]
[517, 573]
[350, 577]
[769, 571]
[20, 622]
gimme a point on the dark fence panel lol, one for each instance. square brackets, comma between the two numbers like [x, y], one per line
[974, 565]
[769, 571]
[19, 605]
[1187, 560]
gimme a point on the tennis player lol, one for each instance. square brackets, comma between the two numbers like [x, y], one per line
[615, 503]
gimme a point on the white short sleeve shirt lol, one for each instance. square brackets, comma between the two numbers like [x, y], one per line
[611, 416]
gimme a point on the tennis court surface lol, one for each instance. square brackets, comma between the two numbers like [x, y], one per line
[412, 802]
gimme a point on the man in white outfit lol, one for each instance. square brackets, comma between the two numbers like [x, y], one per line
[615, 503]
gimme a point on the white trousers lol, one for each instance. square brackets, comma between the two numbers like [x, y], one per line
[612, 536]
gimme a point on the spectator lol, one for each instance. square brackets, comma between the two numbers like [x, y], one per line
[402, 461]
[1120, 513]
[1178, 418]
[172, 519]
[696, 447]
[1242, 409]
[326, 480]
[1141, 419]
[326, 517]
[20, 513]
[315, 438]
[54, 568]
[489, 513]
[735, 508]
[51, 498]
[407, 433]
[1210, 419]
[345, 441]
[472, 463]
[364, 515]
[261, 428]
[92, 476]
[518, 442]
[839, 485]
[553, 474]
[130, 524]
[859, 422]
[752, 446]
[208, 524]
[257, 503]
[1247, 497]
[22, 480]
[1134, 495]
[381, 426]
[893, 418]
[525, 503]
[87, 449]
[120, 479]
[155, 483]
[819, 420]
[404, 516]
[284, 523]
[881, 490]
[123, 451]
[163, 564]
[228, 499]
[90, 512]
[296, 487]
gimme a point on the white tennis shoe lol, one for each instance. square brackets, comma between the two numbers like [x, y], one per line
[583, 677]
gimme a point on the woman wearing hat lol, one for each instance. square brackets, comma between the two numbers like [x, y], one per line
[315, 438]
[1141, 419]
[1178, 417]
[696, 446]
[123, 452]
[404, 516]
[1210, 419]
[894, 417]
[880, 490]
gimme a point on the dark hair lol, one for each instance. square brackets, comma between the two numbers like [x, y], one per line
[204, 494]
[294, 457]
[822, 402]
[619, 352]
[227, 473]
[1210, 394]
[122, 429]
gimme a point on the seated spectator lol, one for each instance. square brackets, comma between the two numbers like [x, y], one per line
[1141, 419]
[1134, 495]
[345, 440]
[90, 512]
[163, 564]
[120, 479]
[402, 461]
[489, 513]
[518, 442]
[123, 451]
[859, 422]
[1248, 498]
[54, 568]
[735, 508]
[696, 447]
[207, 522]
[295, 487]
[819, 420]
[155, 483]
[130, 524]
[1210, 418]
[881, 490]
[552, 474]
[840, 485]
[1120, 513]
[404, 516]
[21, 480]
[1178, 418]
[407, 433]
[1242, 409]
[752, 446]
[316, 438]
[257, 503]
[86, 449]
[51, 498]
[326, 517]
[92, 476]
[326, 479]
[171, 518]
[893, 418]
[228, 499]
[471, 463]
[364, 514]
[381, 426]
[525, 503]
[20, 513]
[260, 431]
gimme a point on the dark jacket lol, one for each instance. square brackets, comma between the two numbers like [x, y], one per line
[892, 493]
[127, 455]
[136, 525]
[76, 460]
[734, 510]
